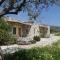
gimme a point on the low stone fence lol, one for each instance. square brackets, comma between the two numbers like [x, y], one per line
[1, 54]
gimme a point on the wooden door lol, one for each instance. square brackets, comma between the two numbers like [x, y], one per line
[20, 32]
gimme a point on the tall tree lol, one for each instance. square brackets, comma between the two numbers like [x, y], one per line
[33, 7]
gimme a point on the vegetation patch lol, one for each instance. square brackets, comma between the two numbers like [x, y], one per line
[44, 53]
[36, 38]
[5, 36]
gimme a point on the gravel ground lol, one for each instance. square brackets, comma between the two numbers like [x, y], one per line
[43, 42]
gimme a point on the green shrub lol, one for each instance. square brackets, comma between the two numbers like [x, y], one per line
[4, 25]
[36, 38]
[6, 38]
[44, 53]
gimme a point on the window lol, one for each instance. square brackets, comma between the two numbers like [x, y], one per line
[14, 30]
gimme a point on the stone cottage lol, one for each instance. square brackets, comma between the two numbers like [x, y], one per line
[28, 29]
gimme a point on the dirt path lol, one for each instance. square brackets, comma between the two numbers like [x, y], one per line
[41, 43]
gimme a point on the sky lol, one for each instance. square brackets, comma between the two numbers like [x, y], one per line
[50, 16]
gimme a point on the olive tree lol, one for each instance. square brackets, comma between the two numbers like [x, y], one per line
[33, 7]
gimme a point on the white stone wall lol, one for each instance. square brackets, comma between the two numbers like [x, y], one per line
[34, 31]
[48, 32]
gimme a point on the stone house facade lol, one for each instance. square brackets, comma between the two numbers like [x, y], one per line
[23, 29]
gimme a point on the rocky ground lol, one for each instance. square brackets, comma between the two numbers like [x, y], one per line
[43, 42]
